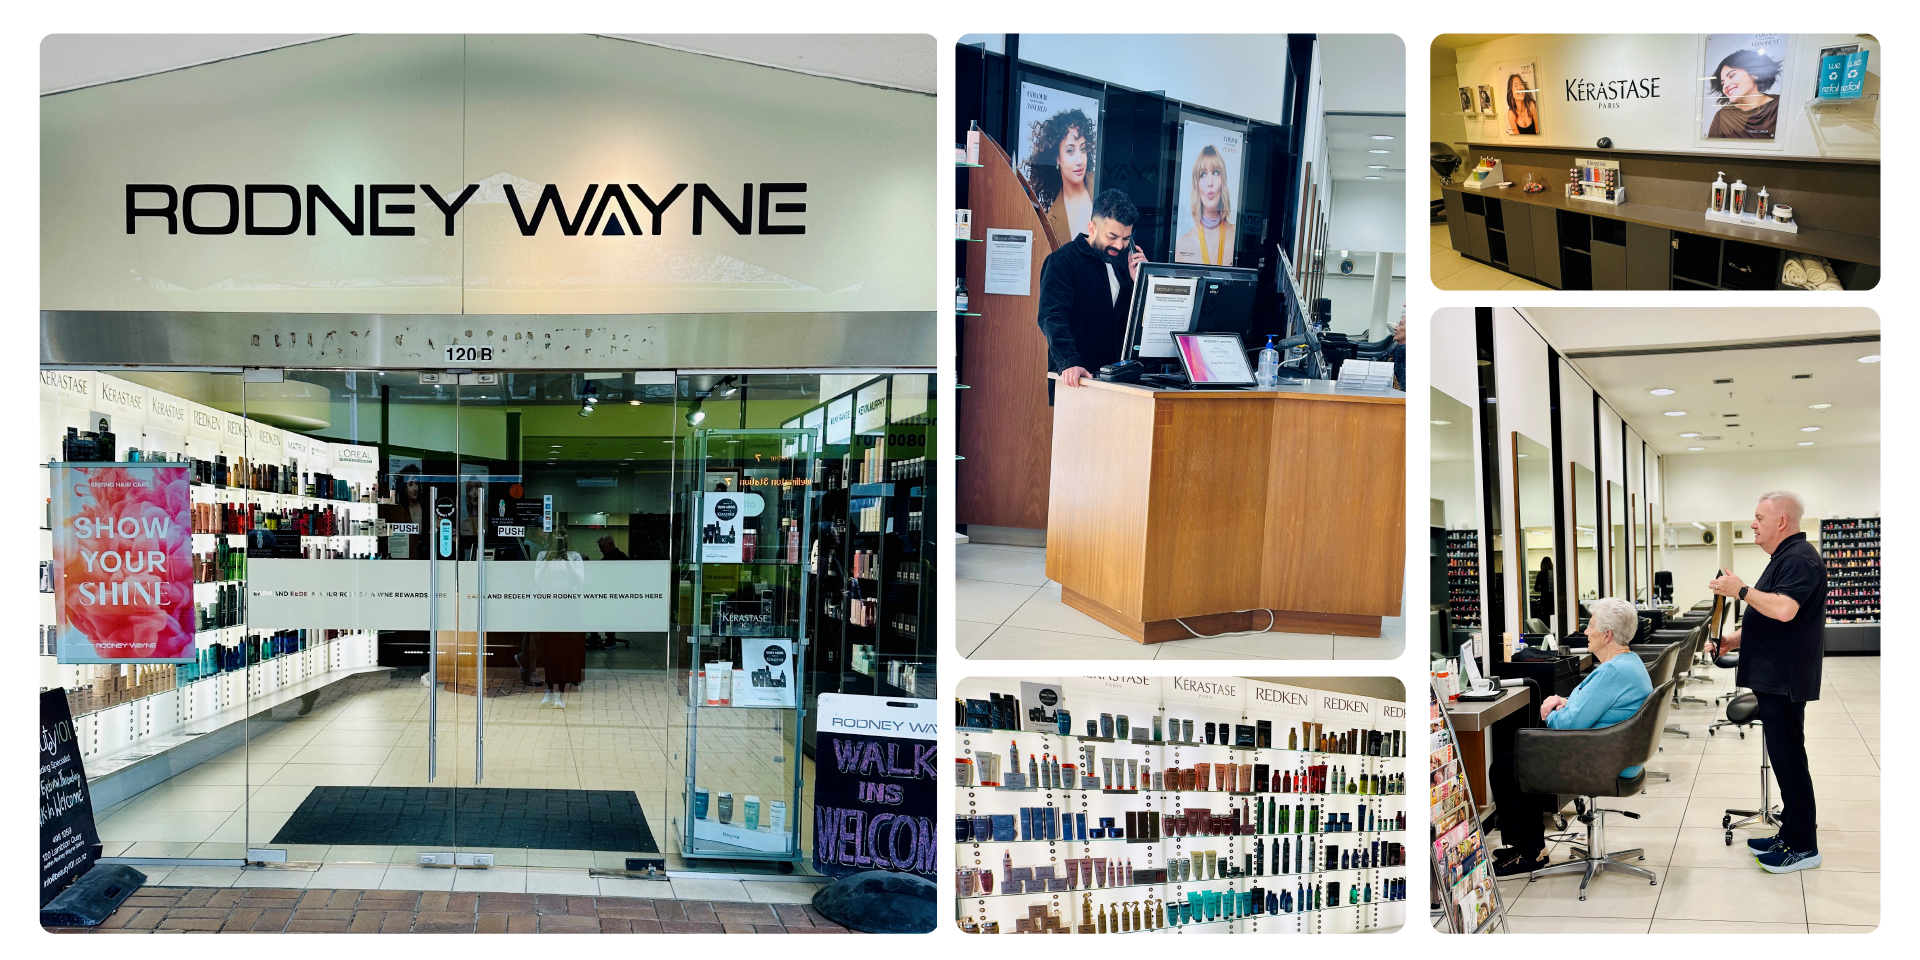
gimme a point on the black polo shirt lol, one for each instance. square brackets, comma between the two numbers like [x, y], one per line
[1783, 657]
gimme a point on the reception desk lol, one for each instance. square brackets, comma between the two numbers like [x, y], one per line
[1218, 507]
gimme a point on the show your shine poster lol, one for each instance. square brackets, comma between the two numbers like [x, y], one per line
[123, 562]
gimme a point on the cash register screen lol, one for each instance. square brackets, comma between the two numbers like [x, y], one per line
[1214, 358]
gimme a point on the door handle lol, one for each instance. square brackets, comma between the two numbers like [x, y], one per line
[433, 637]
[480, 643]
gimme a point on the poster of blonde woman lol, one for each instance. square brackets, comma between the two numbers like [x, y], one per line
[1058, 132]
[1210, 162]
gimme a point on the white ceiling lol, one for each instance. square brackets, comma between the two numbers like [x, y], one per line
[1350, 138]
[1769, 406]
[1363, 72]
[903, 61]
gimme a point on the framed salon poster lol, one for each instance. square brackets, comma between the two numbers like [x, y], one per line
[1744, 79]
[1211, 161]
[1518, 96]
[1055, 150]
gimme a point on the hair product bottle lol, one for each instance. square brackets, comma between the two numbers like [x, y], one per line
[1720, 192]
[1738, 204]
[1761, 208]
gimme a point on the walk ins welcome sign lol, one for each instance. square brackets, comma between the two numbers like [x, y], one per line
[875, 783]
[123, 563]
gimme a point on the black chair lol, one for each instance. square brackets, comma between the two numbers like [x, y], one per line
[1661, 660]
[1587, 764]
[1741, 712]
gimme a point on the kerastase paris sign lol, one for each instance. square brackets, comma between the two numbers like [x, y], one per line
[1609, 93]
[281, 209]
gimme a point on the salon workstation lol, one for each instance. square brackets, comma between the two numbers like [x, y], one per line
[1182, 418]
[1597, 162]
[1654, 620]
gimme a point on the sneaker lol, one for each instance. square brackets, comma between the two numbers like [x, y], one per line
[1508, 862]
[1784, 860]
[1760, 845]
[547, 698]
[560, 700]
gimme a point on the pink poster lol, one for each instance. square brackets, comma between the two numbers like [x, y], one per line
[123, 562]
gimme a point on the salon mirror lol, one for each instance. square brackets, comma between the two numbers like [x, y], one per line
[1533, 508]
[1617, 522]
[1586, 543]
[1454, 507]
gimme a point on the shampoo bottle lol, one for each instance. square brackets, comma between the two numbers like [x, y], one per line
[1762, 209]
[1720, 193]
[1738, 205]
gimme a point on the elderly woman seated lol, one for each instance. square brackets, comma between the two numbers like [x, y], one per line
[1613, 692]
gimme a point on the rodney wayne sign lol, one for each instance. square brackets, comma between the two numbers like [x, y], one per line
[276, 209]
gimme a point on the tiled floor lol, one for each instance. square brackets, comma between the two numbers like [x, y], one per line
[1451, 271]
[1708, 887]
[623, 729]
[155, 909]
[1007, 609]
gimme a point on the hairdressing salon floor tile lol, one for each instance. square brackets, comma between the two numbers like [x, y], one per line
[1838, 928]
[1020, 565]
[968, 635]
[1446, 263]
[1384, 647]
[1657, 842]
[985, 601]
[1731, 893]
[1842, 897]
[1609, 895]
[204, 876]
[497, 879]
[1522, 925]
[1270, 646]
[1724, 926]
[402, 877]
[347, 877]
[1046, 611]
[1022, 643]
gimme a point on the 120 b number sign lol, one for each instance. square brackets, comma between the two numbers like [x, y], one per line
[469, 354]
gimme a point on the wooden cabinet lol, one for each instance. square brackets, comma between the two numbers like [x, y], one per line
[1546, 244]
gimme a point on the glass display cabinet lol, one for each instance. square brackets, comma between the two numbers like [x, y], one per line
[748, 641]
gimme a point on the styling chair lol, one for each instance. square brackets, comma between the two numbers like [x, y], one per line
[1686, 640]
[1731, 661]
[1587, 764]
[1661, 660]
[1742, 712]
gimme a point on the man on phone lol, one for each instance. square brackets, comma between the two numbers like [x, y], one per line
[1085, 289]
[1782, 642]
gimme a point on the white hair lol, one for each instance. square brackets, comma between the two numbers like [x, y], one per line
[1613, 615]
[1789, 503]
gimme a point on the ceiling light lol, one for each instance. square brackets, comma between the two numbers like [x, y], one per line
[1870, 358]
[1521, 456]
[1376, 166]
[633, 403]
[1696, 448]
[1675, 413]
[1809, 429]
[1379, 151]
[1818, 406]
[696, 416]
[1689, 436]
[1662, 391]
[1804, 443]
[1369, 178]
[1441, 423]
[1697, 525]
[1381, 136]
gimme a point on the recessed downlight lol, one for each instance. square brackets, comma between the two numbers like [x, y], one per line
[1675, 413]
[1662, 391]
[1818, 406]
[1376, 166]
[1696, 448]
[1870, 358]
[1809, 429]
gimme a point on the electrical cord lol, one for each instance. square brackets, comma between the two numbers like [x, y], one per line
[1271, 620]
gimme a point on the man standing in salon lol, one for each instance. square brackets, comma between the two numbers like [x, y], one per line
[1781, 643]
[1085, 289]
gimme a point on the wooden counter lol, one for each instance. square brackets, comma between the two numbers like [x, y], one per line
[1194, 504]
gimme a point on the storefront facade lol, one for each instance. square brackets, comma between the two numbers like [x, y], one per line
[519, 383]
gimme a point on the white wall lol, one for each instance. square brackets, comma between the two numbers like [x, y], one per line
[1352, 294]
[1455, 369]
[1241, 74]
[1368, 215]
[1520, 369]
[1445, 125]
[1670, 121]
[1834, 482]
[1365, 72]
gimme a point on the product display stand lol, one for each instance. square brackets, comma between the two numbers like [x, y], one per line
[1851, 551]
[1463, 577]
[745, 718]
[1464, 891]
[1085, 833]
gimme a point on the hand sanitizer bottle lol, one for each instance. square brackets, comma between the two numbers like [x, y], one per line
[1269, 373]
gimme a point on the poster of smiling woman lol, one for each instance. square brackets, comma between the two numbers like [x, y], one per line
[1054, 151]
[1210, 162]
[1743, 76]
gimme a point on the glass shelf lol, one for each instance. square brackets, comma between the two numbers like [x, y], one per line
[1829, 103]
[963, 163]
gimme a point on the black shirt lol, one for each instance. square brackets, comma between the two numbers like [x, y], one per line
[1082, 318]
[1784, 657]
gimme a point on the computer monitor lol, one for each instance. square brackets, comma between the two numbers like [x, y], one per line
[1214, 359]
[1170, 298]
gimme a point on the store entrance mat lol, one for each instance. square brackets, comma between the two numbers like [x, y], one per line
[471, 817]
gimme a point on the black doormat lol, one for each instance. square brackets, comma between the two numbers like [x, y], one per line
[471, 817]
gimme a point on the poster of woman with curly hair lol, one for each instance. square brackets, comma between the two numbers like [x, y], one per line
[1055, 152]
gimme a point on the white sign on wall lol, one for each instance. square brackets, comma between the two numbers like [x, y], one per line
[840, 420]
[870, 409]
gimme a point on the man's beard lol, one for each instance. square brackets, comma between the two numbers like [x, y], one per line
[1114, 257]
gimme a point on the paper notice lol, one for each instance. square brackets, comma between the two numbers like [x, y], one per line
[1168, 310]
[1010, 262]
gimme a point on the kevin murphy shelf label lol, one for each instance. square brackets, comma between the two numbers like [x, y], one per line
[123, 563]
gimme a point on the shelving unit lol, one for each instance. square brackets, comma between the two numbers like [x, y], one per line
[1268, 864]
[1851, 550]
[1464, 892]
[1463, 577]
